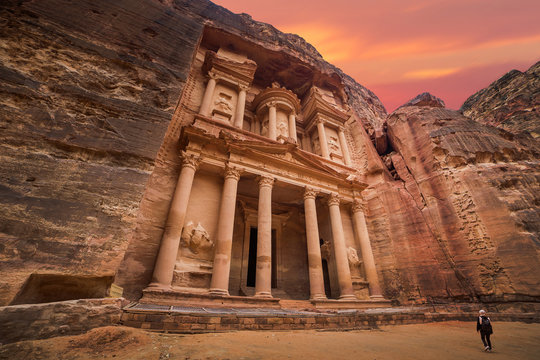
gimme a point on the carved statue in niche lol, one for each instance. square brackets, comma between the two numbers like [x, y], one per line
[223, 103]
[264, 128]
[354, 262]
[197, 240]
[333, 144]
[283, 129]
[326, 247]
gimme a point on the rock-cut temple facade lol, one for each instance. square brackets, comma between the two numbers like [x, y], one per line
[267, 204]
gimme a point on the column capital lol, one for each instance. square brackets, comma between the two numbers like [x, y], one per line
[341, 129]
[310, 193]
[334, 199]
[358, 206]
[271, 104]
[232, 172]
[212, 75]
[243, 87]
[265, 180]
[321, 121]
[190, 160]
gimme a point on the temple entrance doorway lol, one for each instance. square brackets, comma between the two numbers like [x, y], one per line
[252, 258]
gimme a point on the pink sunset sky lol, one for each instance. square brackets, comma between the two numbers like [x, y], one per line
[400, 48]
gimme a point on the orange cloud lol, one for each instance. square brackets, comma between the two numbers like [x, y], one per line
[430, 73]
[331, 43]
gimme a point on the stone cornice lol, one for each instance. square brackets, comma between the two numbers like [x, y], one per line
[239, 73]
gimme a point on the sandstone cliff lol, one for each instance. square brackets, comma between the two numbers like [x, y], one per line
[461, 221]
[511, 103]
[87, 94]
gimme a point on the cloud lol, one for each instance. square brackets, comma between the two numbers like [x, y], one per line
[430, 73]
[330, 41]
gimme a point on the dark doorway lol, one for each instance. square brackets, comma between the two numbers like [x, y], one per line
[326, 277]
[252, 259]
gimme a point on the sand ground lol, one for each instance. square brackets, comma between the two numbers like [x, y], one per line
[448, 340]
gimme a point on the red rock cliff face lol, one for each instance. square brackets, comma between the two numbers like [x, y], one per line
[512, 102]
[462, 220]
[88, 92]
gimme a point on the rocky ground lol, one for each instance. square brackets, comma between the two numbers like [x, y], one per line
[448, 340]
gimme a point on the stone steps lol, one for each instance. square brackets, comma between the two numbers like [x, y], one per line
[196, 320]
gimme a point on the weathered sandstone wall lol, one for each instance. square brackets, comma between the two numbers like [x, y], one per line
[511, 102]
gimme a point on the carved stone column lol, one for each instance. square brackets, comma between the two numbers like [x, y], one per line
[240, 107]
[322, 140]
[222, 256]
[344, 146]
[170, 242]
[360, 228]
[208, 95]
[292, 126]
[263, 278]
[340, 251]
[316, 279]
[272, 121]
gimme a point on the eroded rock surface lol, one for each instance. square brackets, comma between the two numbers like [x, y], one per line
[511, 103]
[463, 217]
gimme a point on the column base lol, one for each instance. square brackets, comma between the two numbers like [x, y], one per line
[155, 286]
[318, 297]
[347, 297]
[220, 292]
[376, 297]
[264, 295]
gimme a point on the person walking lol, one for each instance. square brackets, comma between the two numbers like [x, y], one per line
[483, 325]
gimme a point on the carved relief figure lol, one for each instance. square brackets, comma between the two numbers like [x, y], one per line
[264, 128]
[283, 129]
[333, 144]
[223, 103]
[354, 262]
[326, 250]
[196, 239]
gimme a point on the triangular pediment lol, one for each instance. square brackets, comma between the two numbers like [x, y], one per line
[286, 154]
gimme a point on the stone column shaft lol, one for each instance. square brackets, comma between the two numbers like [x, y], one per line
[322, 140]
[222, 256]
[263, 278]
[360, 227]
[344, 147]
[292, 126]
[316, 279]
[340, 251]
[170, 242]
[240, 107]
[208, 95]
[272, 122]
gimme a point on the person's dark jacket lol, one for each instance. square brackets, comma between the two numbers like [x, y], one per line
[486, 329]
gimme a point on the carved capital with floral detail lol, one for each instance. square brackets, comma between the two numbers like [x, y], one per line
[213, 75]
[190, 160]
[265, 181]
[333, 199]
[358, 206]
[243, 87]
[232, 172]
[310, 193]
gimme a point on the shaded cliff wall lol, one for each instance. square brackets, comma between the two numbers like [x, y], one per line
[461, 222]
[511, 102]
